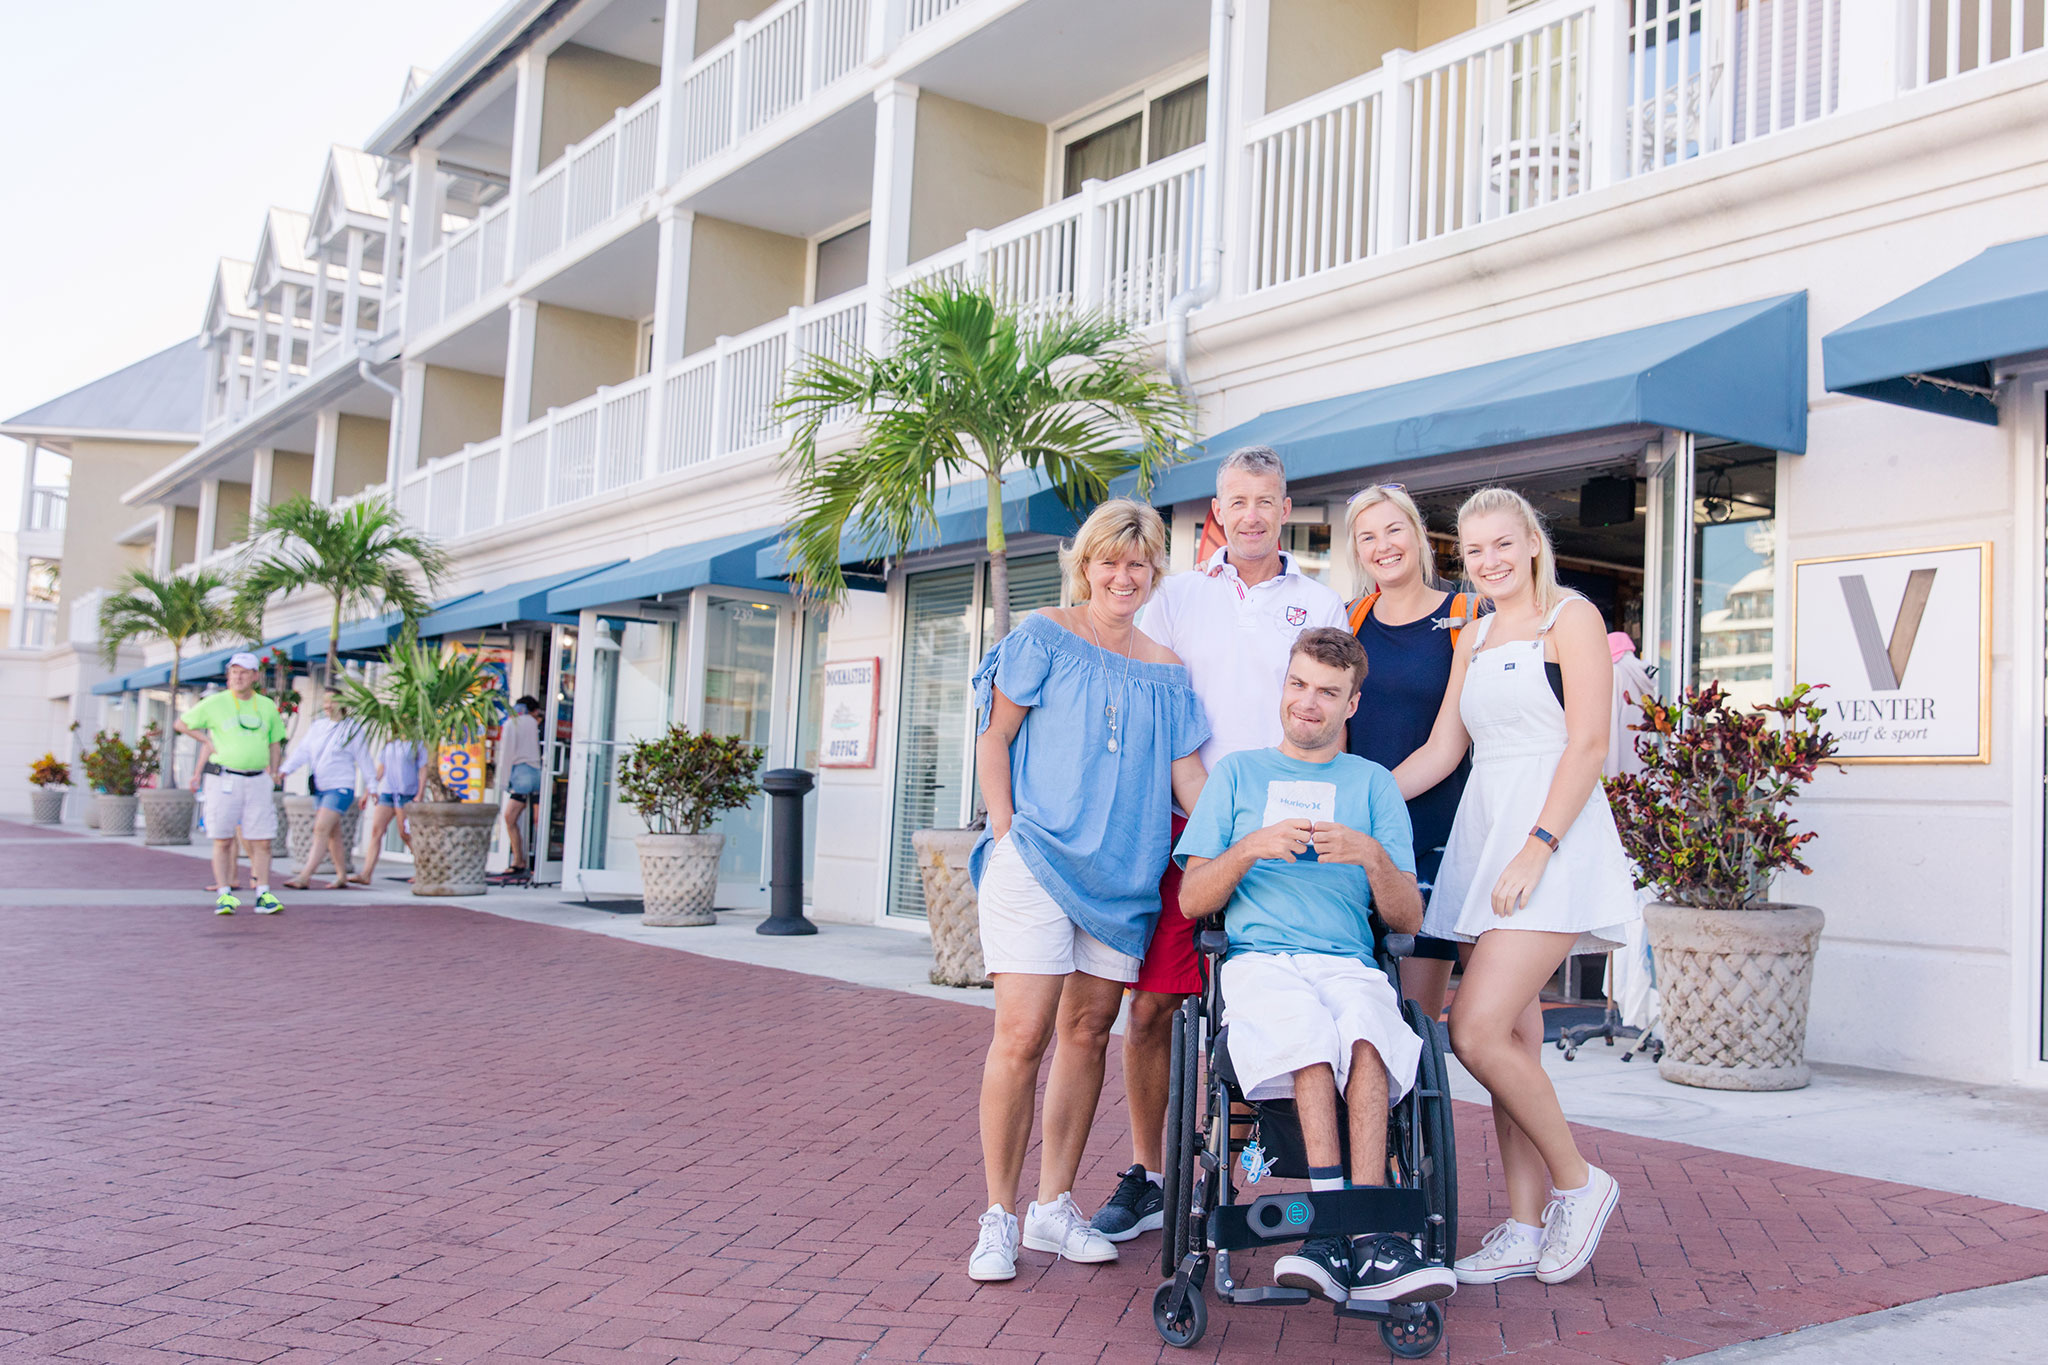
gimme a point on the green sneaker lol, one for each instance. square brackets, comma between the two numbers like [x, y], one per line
[227, 904]
[267, 904]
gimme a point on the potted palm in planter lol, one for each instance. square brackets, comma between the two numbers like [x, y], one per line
[679, 783]
[433, 699]
[1707, 823]
[49, 780]
[969, 386]
[179, 610]
[116, 770]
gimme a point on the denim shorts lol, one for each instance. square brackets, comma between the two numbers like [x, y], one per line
[523, 781]
[395, 798]
[335, 798]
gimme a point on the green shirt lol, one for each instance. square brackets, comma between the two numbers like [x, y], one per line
[242, 731]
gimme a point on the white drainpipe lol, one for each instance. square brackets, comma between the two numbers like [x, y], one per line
[1211, 278]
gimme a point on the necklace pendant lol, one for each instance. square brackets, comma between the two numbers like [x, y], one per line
[1112, 743]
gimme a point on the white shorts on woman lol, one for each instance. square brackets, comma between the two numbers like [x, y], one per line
[1024, 930]
[1286, 1011]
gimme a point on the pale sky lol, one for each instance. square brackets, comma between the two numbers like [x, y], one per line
[145, 138]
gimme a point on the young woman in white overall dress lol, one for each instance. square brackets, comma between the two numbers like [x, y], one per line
[1533, 871]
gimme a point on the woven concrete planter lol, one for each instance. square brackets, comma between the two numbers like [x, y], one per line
[297, 825]
[46, 805]
[1733, 987]
[117, 814]
[679, 878]
[950, 907]
[167, 816]
[450, 842]
[90, 813]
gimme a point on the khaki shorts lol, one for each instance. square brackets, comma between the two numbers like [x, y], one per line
[232, 802]
[1024, 930]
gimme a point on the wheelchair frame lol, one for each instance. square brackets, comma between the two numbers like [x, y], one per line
[1204, 1222]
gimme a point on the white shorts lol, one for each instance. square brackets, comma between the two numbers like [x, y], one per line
[1024, 930]
[1286, 1011]
[231, 801]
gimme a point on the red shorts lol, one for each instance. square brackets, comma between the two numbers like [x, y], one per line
[1173, 965]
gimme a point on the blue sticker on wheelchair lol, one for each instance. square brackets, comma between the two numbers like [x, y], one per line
[1256, 1164]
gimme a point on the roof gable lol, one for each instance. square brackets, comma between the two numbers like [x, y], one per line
[160, 395]
[229, 297]
[348, 189]
[280, 251]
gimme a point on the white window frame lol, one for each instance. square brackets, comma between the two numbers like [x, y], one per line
[1137, 99]
[811, 245]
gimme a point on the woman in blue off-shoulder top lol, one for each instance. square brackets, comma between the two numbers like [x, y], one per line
[1089, 732]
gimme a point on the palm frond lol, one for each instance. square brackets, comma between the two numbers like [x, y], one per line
[363, 556]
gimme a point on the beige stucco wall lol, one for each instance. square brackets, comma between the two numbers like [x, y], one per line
[231, 514]
[740, 277]
[457, 407]
[1312, 45]
[291, 475]
[715, 19]
[184, 532]
[95, 514]
[974, 168]
[581, 91]
[362, 451]
[574, 352]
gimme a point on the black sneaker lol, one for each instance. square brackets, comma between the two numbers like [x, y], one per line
[1137, 1206]
[1322, 1266]
[1390, 1270]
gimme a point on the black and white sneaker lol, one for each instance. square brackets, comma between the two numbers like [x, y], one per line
[1388, 1269]
[1322, 1266]
[1138, 1206]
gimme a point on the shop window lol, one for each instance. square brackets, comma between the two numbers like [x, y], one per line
[1734, 599]
[1308, 543]
[739, 676]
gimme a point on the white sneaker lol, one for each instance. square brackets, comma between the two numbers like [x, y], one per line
[1061, 1228]
[1572, 1225]
[995, 1249]
[1506, 1253]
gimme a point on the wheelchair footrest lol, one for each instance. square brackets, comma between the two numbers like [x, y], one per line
[1267, 1295]
[1292, 1217]
[1381, 1310]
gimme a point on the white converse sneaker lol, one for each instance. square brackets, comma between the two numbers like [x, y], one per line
[1506, 1253]
[1572, 1224]
[995, 1249]
[1061, 1228]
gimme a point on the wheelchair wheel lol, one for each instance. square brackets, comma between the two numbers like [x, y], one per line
[1410, 1340]
[1185, 1328]
[1439, 1174]
[1182, 1137]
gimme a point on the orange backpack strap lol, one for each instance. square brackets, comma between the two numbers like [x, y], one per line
[1360, 608]
[1461, 615]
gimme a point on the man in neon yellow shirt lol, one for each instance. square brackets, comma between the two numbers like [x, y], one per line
[241, 729]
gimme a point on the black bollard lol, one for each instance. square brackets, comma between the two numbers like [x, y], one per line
[786, 788]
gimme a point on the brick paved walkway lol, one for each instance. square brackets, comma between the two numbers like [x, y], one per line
[415, 1133]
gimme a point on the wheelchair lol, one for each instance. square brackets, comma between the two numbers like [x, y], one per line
[1209, 1123]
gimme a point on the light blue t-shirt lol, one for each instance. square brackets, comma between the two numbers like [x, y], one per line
[1093, 824]
[1306, 906]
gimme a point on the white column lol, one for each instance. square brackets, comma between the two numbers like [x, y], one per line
[258, 343]
[1878, 52]
[1245, 91]
[209, 518]
[528, 97]
[1394, 157]
[319, 315]
[28, 483]
[288, 312]
[423, 212]
[352, 290]
[395, 253]
[1608, 92]
[405, 455]
[326, 443]
[886, 22]
[895, 167]
[678, 50]
[523, 321]
[166, 530]
[263, 464]
[671, 318]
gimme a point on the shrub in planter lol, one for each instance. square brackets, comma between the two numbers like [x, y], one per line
[679, 783]
[1708, 824]
[117, 771]
[50, 778]
[432, 698]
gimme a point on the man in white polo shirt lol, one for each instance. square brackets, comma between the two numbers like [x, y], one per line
[1232, 621]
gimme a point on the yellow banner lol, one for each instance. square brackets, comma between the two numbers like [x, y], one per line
[462, 768]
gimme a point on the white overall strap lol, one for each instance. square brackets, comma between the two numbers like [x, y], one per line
[1551, 619]
[1479, 640]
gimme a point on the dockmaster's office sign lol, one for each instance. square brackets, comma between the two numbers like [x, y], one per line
[1903, 641]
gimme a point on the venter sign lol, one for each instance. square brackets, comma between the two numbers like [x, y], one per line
[1903, 641]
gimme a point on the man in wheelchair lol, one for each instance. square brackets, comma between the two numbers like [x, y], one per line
[1296, 846]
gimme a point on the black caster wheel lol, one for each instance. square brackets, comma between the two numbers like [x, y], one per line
[1410, 1340]
[1185, 1329]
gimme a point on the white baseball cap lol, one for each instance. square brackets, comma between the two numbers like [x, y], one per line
[244, 660]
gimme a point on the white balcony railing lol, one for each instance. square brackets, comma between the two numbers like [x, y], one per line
[464, 268]
[46, 509]
[38, 627]
[1950, 37]
[592, 181]
[85, 617]
[771, 64]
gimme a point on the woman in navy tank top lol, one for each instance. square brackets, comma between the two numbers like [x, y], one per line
[1408, 625]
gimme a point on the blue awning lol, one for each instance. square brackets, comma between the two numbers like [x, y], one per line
[725, 562]
[356, 637]
[1736, 373]
[527, 601]
[112, 687]
[1932, 348]
[1031, 505]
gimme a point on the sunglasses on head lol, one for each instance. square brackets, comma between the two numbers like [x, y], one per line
[1365, 493]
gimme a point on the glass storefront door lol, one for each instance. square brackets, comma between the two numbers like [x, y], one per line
[558, 725]
[628, 694]
[742, 642]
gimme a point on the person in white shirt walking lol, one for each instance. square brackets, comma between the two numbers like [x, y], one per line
[398, 786]
[338, 753]
[519, 761]
[1233, 621]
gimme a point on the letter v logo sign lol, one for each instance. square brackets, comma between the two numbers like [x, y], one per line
[1885, 660]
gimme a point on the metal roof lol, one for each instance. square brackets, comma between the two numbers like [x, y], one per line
[160, 397]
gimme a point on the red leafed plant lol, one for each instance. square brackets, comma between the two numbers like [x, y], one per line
[1707, 820]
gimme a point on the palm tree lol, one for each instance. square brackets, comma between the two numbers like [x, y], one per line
[363, 556]
[174, 609]
[969, 385]
[426, 698]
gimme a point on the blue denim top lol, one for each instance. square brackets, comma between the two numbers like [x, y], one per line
[1093, 826]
